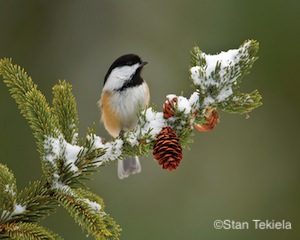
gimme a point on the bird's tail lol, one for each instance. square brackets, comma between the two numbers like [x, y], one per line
[128, 166]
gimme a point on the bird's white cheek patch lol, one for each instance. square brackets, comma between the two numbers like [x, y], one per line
[119, 76]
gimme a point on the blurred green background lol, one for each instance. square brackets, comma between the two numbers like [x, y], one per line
[244, 170]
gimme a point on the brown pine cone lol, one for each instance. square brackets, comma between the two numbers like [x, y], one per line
[167, 150]
[212, 119]
[169, 107]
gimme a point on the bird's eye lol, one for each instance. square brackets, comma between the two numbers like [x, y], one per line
[129, 63]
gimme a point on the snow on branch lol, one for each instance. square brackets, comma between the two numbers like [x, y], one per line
[217, 76]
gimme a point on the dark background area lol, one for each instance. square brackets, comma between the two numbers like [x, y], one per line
[243, 170]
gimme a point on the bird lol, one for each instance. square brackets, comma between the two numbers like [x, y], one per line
[124, 94]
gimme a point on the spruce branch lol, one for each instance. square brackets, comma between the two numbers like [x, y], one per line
[66, 162]
[86, 209]
[65, 108]
[242, 103]
[26, 231]
[218, 77]
[38, 201]
[8, 191]
[55, 130]
[31, 102]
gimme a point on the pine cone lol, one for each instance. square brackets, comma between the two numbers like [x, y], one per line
[212, 119]
[169, 107]
[167, 150]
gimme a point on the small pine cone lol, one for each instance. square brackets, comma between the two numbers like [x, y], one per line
[212, 119]
[169, 107]
[167, 150]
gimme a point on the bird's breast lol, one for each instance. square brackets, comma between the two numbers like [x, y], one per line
[123, 106]
[128, 102]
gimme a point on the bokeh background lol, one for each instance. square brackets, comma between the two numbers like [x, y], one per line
[244, 170]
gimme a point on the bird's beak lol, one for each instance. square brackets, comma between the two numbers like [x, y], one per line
[143, 64]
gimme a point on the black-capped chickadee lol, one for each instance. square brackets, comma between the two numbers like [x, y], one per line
[124, 93]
